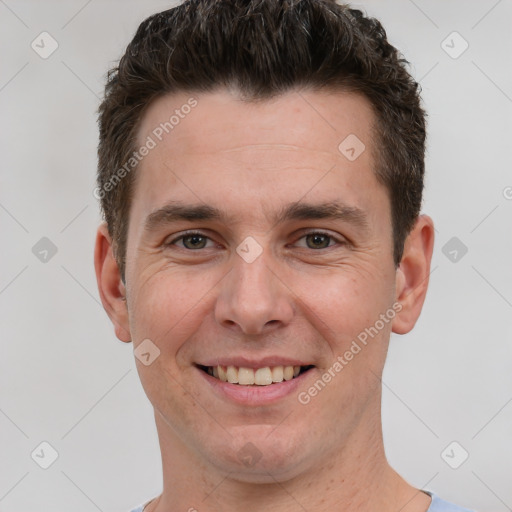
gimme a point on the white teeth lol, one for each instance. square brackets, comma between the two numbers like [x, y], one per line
[263, 376]
[277, 374]
[288, 373]
[222, 374]
[248, 376]
[232, 374]
[245, 376]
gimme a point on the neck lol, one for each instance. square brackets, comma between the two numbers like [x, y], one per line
[354, 478]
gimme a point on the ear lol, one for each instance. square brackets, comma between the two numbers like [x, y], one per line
[412, 276]
[111, 288]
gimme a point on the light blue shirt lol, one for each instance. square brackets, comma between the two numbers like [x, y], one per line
[437, 505]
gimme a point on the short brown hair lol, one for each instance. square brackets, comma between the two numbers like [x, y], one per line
[263, 48]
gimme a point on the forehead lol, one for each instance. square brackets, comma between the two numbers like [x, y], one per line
[216, 149]
[299, 121]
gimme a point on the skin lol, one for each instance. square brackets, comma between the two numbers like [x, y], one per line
[294, 300]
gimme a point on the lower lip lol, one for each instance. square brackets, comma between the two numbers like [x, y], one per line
[255, 395]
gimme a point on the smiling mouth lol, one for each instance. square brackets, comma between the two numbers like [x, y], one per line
[255, 376]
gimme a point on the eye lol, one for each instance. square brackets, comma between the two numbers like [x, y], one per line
[195, 240]
[191, 240]
[320, 240]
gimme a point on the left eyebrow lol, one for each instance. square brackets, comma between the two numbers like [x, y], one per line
[334, 210]
[176, 211]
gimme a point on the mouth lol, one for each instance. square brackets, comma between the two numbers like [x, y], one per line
[265, 376]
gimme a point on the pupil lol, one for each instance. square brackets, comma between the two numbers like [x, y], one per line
[318, 238]
[194, 239]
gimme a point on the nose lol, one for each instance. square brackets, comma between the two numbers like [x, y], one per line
[253, 298]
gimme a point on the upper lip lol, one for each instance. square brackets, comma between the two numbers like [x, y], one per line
[247, 362]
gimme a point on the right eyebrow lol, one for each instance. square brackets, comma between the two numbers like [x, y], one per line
[176, 211]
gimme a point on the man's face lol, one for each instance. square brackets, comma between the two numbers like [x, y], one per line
[256, 288]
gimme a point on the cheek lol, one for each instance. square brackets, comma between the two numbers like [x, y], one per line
[168, 308]
[344, 303]
[157, 307]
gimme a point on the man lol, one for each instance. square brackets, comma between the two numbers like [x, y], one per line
[261, 172]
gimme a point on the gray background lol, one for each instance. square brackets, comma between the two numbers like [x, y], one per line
[66, 380]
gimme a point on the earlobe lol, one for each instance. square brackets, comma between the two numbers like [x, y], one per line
[110, 286]
[412, 276]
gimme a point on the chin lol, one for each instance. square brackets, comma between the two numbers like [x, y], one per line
[262, 454]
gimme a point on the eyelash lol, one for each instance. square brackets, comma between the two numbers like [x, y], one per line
[198, 233]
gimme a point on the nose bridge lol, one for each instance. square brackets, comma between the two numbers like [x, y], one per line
[251, 296]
